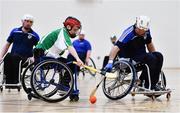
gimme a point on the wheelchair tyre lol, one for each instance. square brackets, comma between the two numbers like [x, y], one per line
[124, 82]
[161, 83]
[46, 82]
[92, 64]
[25, 80]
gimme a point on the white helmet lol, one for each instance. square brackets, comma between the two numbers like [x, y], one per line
[28, 17]
[142, 22]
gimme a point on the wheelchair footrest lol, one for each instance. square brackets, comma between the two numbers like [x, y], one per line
[152, 92]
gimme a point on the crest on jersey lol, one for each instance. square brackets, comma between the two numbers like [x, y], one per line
[29, 36]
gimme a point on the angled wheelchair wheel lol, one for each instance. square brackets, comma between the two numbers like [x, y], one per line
[118, 88]
[162, 80]
[161, 85]
[92, 64]
[25, 80]
[85, 71]
[52, 80]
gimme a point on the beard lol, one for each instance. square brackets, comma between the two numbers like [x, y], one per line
[73, 35]
[81, 39]
[27, 28]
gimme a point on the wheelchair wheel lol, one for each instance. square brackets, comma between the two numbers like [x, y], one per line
[162, 81]
[161, 84]
[52, 80]
[25, 80]
[118, 88]
[91, 64]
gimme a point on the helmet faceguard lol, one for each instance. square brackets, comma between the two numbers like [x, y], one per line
[71, 22]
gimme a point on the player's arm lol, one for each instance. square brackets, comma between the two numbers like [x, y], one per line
[88, 55]
[113, 53]
[125, 37]
[73, 52]
[7, 45]
[151, 47]
[4, 50]
[149, 43]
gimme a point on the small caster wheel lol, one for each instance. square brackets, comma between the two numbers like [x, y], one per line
[153, 97]
[168, 96]
[83, 74]
[132, 94]
[19, 89]
[71, 97]
[1, 89]
[29, 90]
[9, 90]
[76, 98]
[29, 96]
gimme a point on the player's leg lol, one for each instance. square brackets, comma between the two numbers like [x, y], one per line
[150, 60]
[74, 96]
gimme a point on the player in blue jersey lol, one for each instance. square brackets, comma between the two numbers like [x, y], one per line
[133, 43]
[22, 39]
[82, 47]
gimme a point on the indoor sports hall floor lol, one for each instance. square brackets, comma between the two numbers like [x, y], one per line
[18, 102]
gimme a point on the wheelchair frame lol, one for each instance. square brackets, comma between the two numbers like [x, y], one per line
[147, 91]
[3, 82]
[31, 94]
[138, 89]
[134, 84]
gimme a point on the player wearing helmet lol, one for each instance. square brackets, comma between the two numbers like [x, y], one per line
[57, 41]
[133, 43]
[22, 39]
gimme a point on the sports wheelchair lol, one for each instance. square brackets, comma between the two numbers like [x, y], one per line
[127, 81]
[45, 80]
[21, 66]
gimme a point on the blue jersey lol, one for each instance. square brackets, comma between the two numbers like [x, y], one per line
[132, 45]
[22, 42]
[82, 46]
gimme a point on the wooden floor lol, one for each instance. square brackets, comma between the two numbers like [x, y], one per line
[17, 101]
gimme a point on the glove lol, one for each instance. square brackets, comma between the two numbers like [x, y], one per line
[108, 67]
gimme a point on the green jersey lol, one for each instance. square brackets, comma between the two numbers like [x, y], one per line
[55, 42]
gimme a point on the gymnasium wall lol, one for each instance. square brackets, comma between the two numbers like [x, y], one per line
[100, 20]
